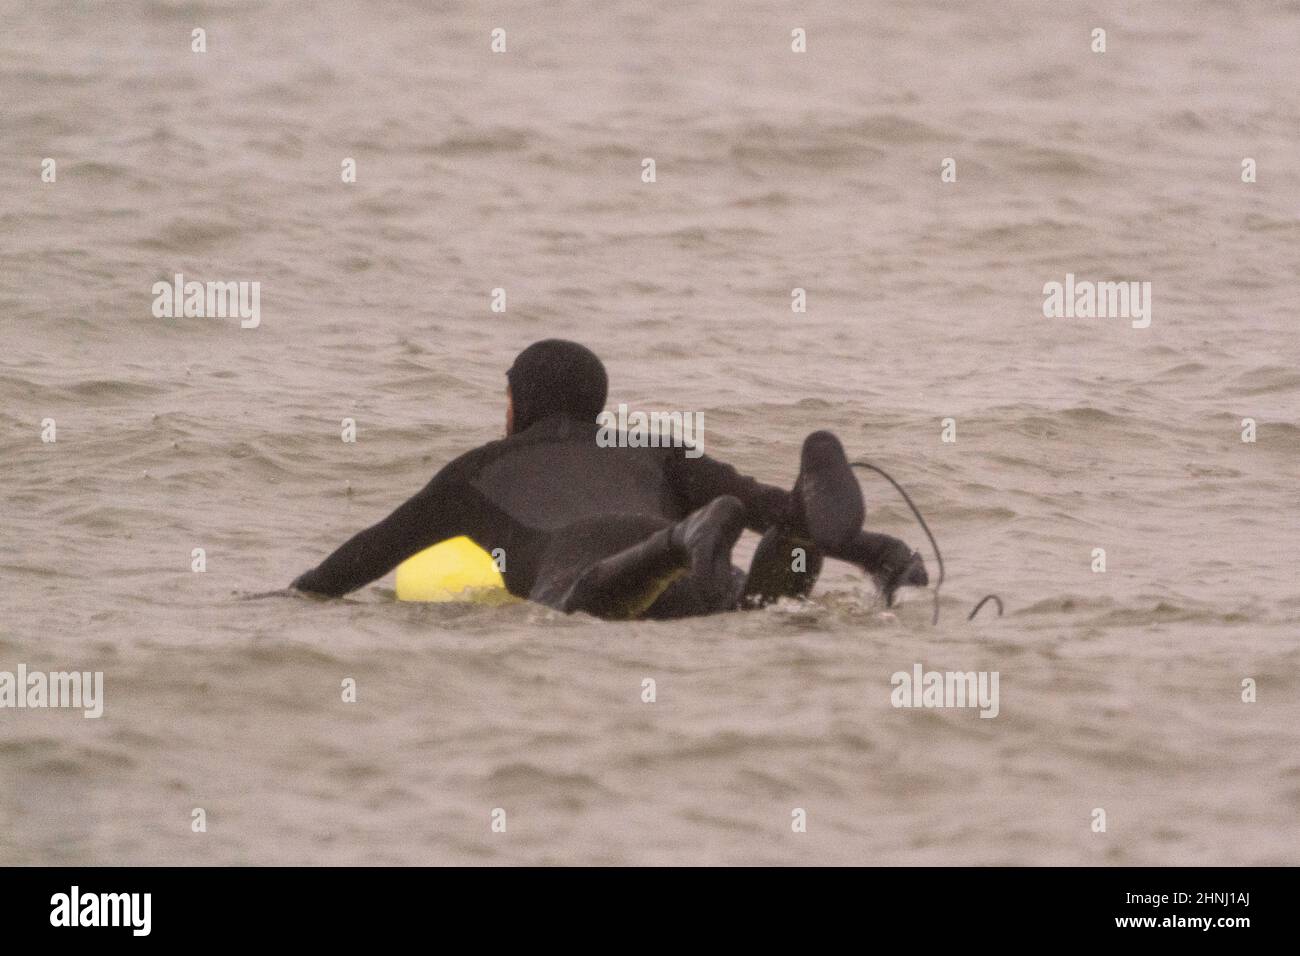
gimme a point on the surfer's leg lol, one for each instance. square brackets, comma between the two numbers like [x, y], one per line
[626, 584]
[827, 521]
[785, 564]
[697, 593]
[828, 511]
[830, 501]
[579, 546]
[827, 498]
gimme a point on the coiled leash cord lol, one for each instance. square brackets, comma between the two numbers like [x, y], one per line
[938, 556]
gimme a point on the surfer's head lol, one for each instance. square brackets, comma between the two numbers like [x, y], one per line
[555, 377]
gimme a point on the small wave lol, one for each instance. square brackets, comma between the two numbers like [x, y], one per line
[188, 235]
[1184, 370]
[826, 147]
[1160, 613]
[1256, 222]
[1183, 120]
[530, 779]
[1066, 604]
[486, 142]
[98, 172]
[101, 389]
[1267, 379]
[1057, 163]
[1086, 414]
[772, 199]
[281, 653]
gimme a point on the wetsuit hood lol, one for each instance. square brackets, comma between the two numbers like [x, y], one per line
[555, 376]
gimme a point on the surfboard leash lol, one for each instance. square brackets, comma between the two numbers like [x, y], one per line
[938, 555]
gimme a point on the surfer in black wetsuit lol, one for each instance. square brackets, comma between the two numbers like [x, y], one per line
[622, 532]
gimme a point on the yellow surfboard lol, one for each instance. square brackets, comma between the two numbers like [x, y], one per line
[453, 570]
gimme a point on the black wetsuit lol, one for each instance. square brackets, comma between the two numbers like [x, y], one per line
[557, 503]
[516, 493]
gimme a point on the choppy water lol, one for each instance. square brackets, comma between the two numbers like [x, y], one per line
[775, 170]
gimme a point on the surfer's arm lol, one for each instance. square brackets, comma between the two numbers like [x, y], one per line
[424, 520]
[890, 562]
[697, 481]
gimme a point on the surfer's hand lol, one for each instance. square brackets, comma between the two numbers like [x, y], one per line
[902, 567]
[890, 563]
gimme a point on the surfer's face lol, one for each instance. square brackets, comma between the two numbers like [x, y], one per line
[510, 413]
